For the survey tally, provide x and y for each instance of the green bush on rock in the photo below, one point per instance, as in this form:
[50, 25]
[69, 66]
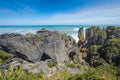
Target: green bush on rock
[95, 47]
[37, 38]
[101, 32]
[111, 49]
[113, 32]
[4, 56]
[43, 28]
[19, 74]
[29, 34]
[107, 72]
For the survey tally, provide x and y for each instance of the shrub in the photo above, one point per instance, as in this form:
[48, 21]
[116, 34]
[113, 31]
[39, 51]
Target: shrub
[19, 74]
[29, 34]
[27, 39]
[111, 49]
[108, 72]
[43, 28]
[113, 32]
[63, 36]
[4, 56]
[64, 75]
[99, 31]
[95, 47]
[37, 38]
[51, 64]
[70, 65]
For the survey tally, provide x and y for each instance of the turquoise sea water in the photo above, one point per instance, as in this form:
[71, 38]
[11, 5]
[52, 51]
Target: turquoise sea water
[69, 29]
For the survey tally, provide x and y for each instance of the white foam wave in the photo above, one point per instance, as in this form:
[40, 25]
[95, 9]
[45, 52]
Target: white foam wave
[24, 31]
[76, 29]
[75, 37]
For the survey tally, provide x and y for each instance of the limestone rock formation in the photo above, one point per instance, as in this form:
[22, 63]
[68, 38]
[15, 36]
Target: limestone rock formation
[102, 45]
[43, 51]
[95, 36]
[41, 46]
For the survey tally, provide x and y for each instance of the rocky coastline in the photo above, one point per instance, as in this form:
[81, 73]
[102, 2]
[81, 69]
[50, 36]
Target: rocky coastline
[50, 51]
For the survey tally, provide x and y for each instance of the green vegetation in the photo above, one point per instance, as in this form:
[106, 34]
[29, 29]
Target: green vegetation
[72, 65]
[52, 65]
[43, 28]
[27, 39]
[67, 44]
[4, 56]
[95, 47]
[111, 28]
[37, 38]
[99, 31]
[66, 38]
[64, 75]
[106, 72]
[19, 74]
[29, 34]
[111, 49]
[98, 54]
[113, 31]
[63, 36]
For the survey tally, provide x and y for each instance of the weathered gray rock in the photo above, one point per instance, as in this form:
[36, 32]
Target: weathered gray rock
[95, 36]
[70, 45]
[61, 67]
[36, 51]
[41, 46]
[113, 32]
[41, 67]
[17, 45]
[37, 67]
[75, 71]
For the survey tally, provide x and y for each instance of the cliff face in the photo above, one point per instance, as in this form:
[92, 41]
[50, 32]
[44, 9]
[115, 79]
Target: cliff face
[102, 45]
[95, 36]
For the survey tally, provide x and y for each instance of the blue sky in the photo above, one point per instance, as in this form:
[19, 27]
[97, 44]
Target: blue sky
[39, 12]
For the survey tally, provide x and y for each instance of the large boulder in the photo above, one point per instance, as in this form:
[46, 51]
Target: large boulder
[40, 46]
[17, 45]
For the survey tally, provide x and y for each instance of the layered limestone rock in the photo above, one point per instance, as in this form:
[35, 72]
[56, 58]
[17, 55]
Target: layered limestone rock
[102, 45]
[40, 52]
[95, 36]
[41, 46]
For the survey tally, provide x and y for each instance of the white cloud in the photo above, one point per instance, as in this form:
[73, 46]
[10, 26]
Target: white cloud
[97, 15]
[109, 15]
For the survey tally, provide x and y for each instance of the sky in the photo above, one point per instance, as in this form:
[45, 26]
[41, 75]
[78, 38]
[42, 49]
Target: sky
[55, 12]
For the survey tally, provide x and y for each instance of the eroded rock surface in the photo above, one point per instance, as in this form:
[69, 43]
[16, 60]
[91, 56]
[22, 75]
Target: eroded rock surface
[41, 46]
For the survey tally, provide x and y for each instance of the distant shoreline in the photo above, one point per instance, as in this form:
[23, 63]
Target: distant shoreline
[71, 30]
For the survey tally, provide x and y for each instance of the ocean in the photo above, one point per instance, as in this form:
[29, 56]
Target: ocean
[71, 30]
